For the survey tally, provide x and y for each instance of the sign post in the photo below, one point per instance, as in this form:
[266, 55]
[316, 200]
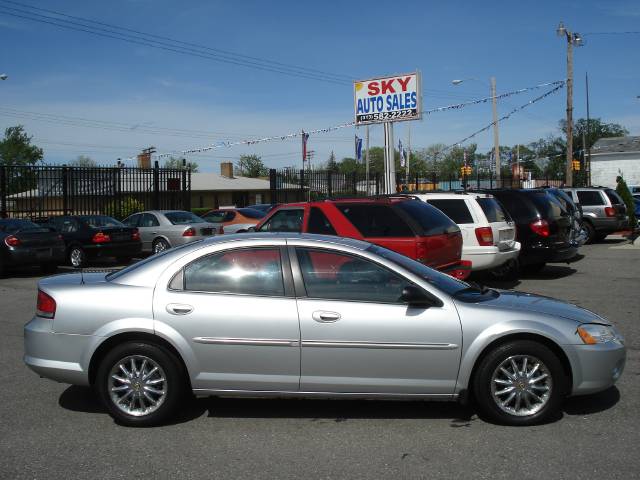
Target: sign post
[386, 100]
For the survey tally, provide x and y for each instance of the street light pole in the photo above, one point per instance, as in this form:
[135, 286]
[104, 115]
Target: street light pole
[572, 39]
[496, 138]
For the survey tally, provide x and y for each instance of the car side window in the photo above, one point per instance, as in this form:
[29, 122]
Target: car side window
[229, 216]
[319, 223]
[337, 276]
[132, 221]
[590, 198]
[149, 220]
[66, 225]
[456, 210]
[376, 220]
[289, 220]
[249, 271]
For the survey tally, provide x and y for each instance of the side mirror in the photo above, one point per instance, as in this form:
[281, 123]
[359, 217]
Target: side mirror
[416, 297]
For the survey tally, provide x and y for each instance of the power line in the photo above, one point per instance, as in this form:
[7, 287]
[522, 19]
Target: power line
[168, 46]
[612, 33]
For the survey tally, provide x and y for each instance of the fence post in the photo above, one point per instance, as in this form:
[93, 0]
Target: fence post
[116, 197]
[377, 183]
[156, 186]
[302, 181]
[3, 191]
[417, 183]
[65, 190]
[329, 183]
[354, 183]
[272, 185]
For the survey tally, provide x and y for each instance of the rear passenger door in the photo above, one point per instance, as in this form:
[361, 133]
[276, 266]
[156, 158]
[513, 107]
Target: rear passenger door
[148, 227]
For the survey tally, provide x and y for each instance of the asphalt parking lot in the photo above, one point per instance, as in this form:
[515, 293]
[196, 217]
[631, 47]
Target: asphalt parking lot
[50, 430]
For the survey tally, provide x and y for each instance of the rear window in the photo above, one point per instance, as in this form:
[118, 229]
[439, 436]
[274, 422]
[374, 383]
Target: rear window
[251, 213]
[97, 221]
[492, 210]
[319, 223]
[183, 218]
[376, 220]
[547, 205]
[590, 197]
[518, 206]
[13, 226]
[614, 198]
[430, 220]
[455, 209]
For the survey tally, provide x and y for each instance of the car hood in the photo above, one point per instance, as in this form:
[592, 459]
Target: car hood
[529, 302]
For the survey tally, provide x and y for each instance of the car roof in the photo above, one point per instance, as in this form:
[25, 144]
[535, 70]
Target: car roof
[451, 195]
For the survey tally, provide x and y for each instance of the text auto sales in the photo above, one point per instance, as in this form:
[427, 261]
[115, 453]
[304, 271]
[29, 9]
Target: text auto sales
[387, 99]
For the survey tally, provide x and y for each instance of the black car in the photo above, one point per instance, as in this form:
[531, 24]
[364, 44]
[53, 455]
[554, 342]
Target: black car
[575, 211]
[95, 236]
[544, 227]
[24, 243]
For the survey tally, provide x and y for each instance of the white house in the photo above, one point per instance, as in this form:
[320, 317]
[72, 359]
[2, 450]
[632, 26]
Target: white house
[611, 157]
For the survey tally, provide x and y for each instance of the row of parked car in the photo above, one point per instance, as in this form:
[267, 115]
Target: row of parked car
[503, 231]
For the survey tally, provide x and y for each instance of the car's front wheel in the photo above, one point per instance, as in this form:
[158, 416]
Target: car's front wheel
[160, 245]
[140, 384]
[520, 383]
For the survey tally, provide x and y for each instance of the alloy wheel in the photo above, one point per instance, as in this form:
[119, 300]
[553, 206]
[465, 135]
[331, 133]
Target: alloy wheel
[160, 246]
[521, 385]
[137, 385]
[76, 257]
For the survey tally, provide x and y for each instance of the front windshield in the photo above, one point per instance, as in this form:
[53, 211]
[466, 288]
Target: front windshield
[441, 281]
[183, 218]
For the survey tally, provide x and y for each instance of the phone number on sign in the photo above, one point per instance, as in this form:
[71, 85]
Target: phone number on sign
[367, 117]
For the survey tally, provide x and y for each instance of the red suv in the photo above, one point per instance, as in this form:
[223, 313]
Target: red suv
[405, 225]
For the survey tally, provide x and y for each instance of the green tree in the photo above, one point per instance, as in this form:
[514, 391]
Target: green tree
[332, 165]
[83, 161]
[623, 191]
[593, 130]
[251, 166]
[16, 148]
[176, 163]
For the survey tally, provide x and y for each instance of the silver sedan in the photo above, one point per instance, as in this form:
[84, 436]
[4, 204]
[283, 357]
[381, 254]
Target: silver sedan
[312, 316]
[164, 229]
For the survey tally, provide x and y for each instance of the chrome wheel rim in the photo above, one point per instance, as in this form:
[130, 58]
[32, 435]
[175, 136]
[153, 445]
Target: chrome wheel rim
[137, 385]
[76, 257]
[521, 385]
[160, 246]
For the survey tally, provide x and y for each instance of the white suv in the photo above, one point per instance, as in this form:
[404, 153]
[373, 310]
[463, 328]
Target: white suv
[488, 233]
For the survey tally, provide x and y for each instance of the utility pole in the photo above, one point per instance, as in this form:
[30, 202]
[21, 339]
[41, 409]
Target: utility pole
[496, 139]
[587, 166]
[408, 154]
[389, 159]
[572, 39]
[366, 157]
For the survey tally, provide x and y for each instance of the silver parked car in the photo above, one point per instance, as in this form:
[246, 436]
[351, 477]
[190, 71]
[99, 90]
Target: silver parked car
[163, 229]
[312, 316]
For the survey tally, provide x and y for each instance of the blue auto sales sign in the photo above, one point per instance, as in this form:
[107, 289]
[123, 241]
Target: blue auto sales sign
[388, 99]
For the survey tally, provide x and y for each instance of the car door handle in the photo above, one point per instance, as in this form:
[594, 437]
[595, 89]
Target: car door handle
[325, 317]
[179, 309]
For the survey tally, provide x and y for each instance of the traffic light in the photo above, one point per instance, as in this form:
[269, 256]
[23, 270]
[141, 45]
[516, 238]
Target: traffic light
[576, 165]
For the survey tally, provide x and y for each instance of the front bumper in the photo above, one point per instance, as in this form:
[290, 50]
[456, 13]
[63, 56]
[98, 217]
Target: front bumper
[55, 355]
[484, 258]
[596, 367]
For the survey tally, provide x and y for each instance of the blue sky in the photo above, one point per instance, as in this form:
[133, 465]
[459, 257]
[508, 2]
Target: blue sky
[61, 72]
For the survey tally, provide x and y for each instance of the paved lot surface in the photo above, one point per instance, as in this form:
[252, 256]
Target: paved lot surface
[49, 430]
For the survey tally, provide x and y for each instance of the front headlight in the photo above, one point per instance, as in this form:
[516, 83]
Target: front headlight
[594, 333]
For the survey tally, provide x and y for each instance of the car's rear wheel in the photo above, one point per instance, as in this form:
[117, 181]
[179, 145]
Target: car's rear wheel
[77, 257]
[160, 245]
[591, 232]
[520, 383]
[140, 384]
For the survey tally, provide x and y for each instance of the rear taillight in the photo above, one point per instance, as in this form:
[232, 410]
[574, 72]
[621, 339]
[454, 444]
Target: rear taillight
[540, 227]
[101, 238]
[484, 236]
[189, 232]
[135, 235]
[610, 211]
[12, 241]
[46, 307]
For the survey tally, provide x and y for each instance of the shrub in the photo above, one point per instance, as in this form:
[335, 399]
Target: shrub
[623, 191]
[123, 208]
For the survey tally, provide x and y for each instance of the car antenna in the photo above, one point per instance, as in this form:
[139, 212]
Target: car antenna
[81, 275]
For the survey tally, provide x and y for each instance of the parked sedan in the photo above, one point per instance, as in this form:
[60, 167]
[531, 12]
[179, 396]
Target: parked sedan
[163, 229]
[312, 316]
[23, 244]
[235, 220]
[88, 237]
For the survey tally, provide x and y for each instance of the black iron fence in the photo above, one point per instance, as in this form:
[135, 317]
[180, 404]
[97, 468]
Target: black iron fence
[290, 185]
[41, 191]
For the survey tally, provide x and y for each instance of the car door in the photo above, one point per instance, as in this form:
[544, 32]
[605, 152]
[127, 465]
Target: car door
[357, 337]
[236, 311]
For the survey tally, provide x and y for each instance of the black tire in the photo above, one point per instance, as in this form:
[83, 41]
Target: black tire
[174, 384]
[77, 257]
[601, 236]
[49, 268]
[3, 269]
[591, 233]
[483, 379]
[533, 268]
[159, 245]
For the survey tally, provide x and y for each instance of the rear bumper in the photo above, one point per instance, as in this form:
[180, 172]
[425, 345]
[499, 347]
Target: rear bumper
[609, 224]
[35, 256]
[125, 249]
[547, 254]
[483, 258]
[596, 367]
[55, 355]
